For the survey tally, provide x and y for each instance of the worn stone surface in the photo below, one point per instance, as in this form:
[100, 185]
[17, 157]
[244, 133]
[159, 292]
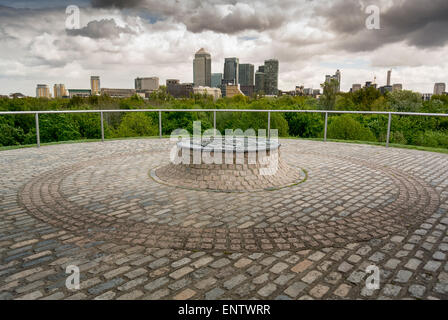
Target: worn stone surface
[94, 205]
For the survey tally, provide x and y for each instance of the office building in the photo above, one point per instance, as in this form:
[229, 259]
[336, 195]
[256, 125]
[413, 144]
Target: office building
[337, 77]
[59, 91]
[439, 89]
[118, 93]
[271, 68]
[385, 89]
[356, 87]
[179, 90]
[389, 76]
[202, 68]
[43, 91]
[247, 90]
[426, 96]
[231, 69]
[83, 93]
[216, 80]
[214, 92]
[259, 82]
[246, 75]
[95, 85]
[148, 84]
[397, 87]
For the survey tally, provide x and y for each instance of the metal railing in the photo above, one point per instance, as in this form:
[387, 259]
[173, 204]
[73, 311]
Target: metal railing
[326, 112]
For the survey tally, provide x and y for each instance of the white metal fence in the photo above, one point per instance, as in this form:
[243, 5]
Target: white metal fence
[326, 112]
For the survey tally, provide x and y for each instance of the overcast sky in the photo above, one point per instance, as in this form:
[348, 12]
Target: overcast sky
[121, 40]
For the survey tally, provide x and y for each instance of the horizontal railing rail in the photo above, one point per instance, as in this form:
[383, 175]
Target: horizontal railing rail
[326, 112]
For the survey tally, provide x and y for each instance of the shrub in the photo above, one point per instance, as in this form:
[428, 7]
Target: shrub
[346, 128]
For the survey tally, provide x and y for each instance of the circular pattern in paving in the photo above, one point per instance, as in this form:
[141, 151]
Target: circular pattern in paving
[344, 199]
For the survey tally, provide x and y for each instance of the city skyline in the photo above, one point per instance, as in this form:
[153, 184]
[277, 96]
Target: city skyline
[120, 45]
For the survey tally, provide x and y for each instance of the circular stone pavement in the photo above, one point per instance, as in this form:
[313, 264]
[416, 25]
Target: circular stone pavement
[344, 199]
[96, 205]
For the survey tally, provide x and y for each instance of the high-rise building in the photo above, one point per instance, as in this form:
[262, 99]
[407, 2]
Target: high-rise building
[397, 87]
[59, 91]
[439, 89]
[95, 87]
[202, 68]
[356, 87]
[216, 80]
[179, 90]
[337, 77]
[259, 82]
[389, 76]
[271, 68]
[147, 84]
[43, 91]
[246, 74]
[231, 70]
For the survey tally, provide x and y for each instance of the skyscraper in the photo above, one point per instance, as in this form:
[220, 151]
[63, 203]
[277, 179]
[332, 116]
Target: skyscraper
[216, 80]
[95, 85]
[231, 69]
[271, 68]
[439, 89]
[259, 82]
[246, 74]
[337, 77]
[389, 75]
[59, 91]
[43, 91]
[202, 69]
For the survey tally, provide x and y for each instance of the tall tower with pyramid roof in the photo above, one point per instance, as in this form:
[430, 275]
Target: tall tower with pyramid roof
[202, 69]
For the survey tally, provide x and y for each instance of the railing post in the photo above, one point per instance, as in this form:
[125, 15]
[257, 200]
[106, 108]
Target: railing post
[102, 127]
[326, 126]
[214, 120]
[269, 125]
[36, 116]
[388, 130]
[160, 124]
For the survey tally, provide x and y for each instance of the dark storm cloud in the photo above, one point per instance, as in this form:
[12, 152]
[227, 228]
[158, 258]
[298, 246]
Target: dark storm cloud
[116, 3]
[419, 23]
[220, 16]
[97, 29]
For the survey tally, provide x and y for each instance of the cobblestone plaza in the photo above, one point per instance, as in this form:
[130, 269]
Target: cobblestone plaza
[96, 206]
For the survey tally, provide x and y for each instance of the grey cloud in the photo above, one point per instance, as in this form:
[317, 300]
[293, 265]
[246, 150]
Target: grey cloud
[116, 3]
[419, 23]
[97, 29]
[199, 16]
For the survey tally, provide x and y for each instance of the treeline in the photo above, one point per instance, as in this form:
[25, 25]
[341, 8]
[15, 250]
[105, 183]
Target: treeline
[411, 130]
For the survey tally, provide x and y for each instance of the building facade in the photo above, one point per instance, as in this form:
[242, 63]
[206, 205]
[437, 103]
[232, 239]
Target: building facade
[43, 91]
[439, 89]
[397, 87]
[231, 69]
[179, 90]
[59, 91]
[356, 87]
[216, 80]
[83, 93]
[146, 84]
[232, 90]
[337, 76]
[271, 68]
[259, 82]
[95, 86]
[214, 92]
[202, 69]
[246, 74]
[118, 93]
[247, 90]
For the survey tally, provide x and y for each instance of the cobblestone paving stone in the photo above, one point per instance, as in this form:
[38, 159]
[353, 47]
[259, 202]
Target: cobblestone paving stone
[94, 205]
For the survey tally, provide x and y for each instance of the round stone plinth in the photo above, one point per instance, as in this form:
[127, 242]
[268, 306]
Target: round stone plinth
[239, 164]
